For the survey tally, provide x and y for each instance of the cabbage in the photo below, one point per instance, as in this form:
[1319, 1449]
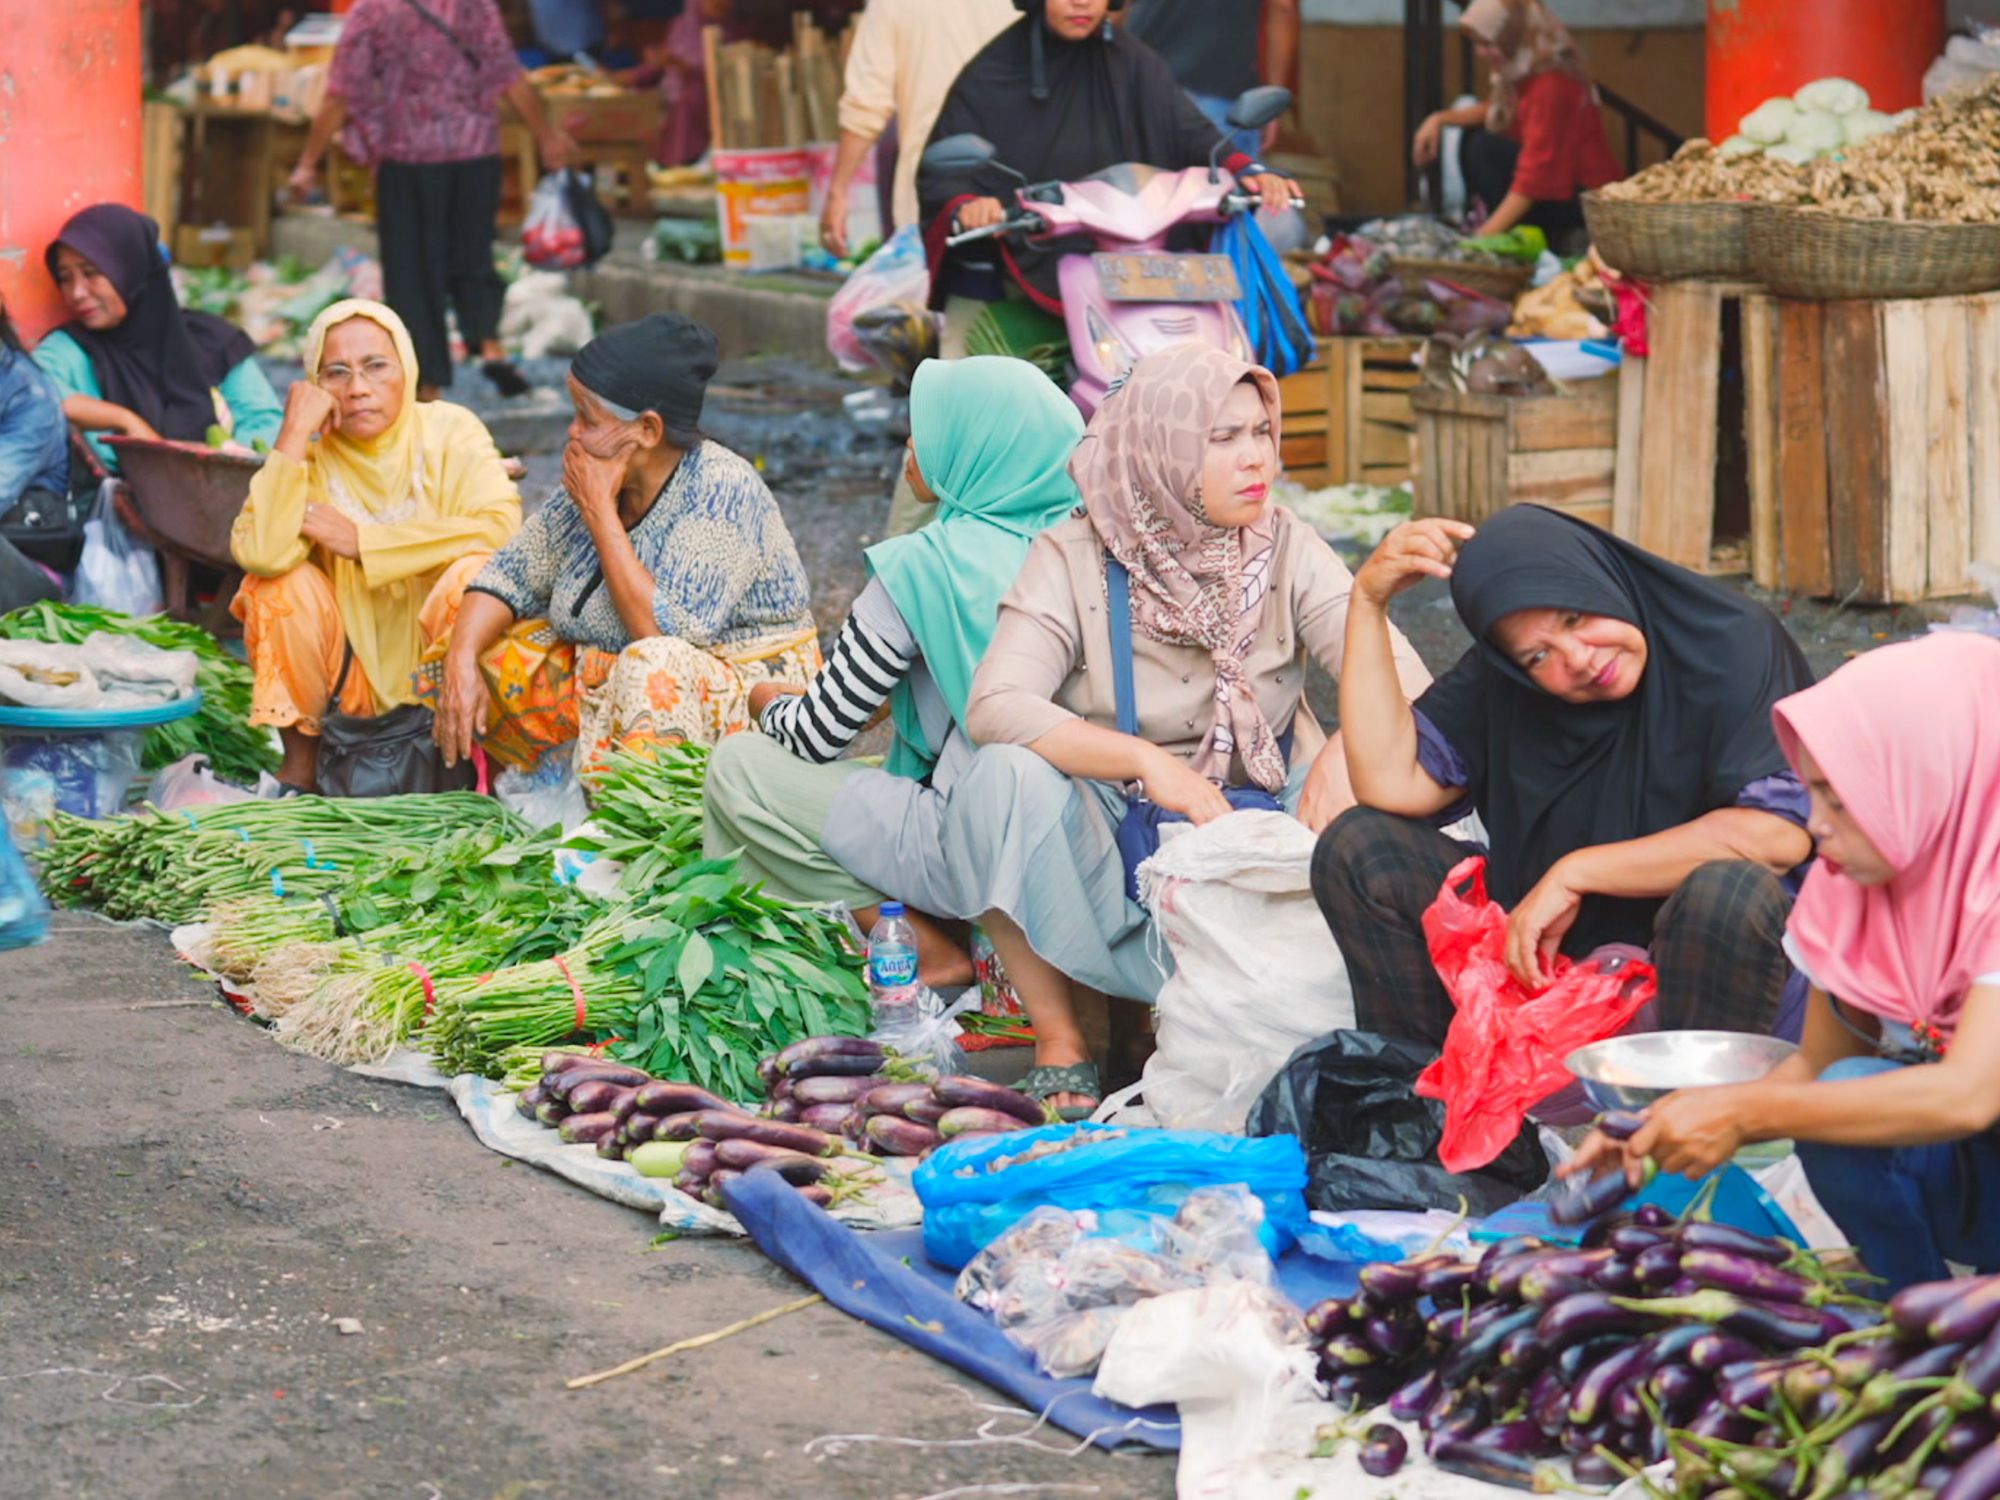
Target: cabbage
[1833, 96]
[1785, 151]
[1738, 145]
[1766, 123]
[1863, 123]
[1815, 131]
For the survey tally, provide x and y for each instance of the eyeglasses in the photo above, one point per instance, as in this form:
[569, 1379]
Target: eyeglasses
[340, 377]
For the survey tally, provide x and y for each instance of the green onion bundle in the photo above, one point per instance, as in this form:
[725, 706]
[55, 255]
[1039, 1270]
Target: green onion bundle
[237, 750]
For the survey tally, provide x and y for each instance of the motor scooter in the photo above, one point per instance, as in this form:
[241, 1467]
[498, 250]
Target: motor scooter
[1128, 294]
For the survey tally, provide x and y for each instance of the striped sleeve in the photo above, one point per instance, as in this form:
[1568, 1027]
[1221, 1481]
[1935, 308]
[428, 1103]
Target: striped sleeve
[860, 672]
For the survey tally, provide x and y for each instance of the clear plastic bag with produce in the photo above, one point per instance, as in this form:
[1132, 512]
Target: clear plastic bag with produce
[117, 570]
[897, 274]
[566, 226]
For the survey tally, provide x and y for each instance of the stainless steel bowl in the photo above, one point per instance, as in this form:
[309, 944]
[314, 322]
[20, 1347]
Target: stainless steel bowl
[1630, 1072]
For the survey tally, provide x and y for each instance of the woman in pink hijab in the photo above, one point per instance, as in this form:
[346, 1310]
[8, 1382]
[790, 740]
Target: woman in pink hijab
[1894, 1093]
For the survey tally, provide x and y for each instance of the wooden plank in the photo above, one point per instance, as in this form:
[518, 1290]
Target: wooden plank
[1302, 450]
[1390, 475]
[1571, 477]
[1760, 431]
[1983, 406]
[1947, 499]
[711, 61]
[1586, 419]
[1909, 370]
[1343, 404]
[1595, 515]
[1396, 378]
[1424, 487]
[1677, 477]
[1857, 461]
[1306, 421]
[1304, 392]
[1631, 441]
[1387, 406]
[1385, 444]
[1805, 558]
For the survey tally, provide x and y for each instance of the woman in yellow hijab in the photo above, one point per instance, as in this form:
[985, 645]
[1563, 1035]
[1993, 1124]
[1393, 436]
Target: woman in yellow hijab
[361, 531]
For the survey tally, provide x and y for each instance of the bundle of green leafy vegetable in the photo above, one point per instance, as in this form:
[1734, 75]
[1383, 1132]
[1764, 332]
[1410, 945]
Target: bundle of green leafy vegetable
[236, 749]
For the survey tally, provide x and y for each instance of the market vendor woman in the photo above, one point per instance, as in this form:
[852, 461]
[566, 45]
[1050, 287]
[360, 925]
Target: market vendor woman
[130, 360]
[1611, 723]
[1538, 143]
[361, 531]
[1894, 1094]
[654, 590]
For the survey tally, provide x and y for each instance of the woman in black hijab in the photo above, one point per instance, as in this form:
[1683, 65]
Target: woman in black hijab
[1061, 93]
[130, 360]
[1611, 724]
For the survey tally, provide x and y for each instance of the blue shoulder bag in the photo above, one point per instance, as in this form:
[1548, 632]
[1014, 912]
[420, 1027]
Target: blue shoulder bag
[1139, 830]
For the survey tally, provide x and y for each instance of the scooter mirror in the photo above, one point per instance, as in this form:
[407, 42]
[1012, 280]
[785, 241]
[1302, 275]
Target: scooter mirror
[959, 153]
[1253, 109]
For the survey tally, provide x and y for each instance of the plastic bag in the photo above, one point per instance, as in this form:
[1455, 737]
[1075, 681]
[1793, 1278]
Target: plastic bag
[117, 570]
[1059, 1286]
[1370, 1142]
[1505, 1049]
[189, 782]
[1273, 319]
[24, 916]
[896, 274]
[91, 772]
[976, 1188]
[566, 227]
[547, 796]
[1233, 1009]
[927, 1031]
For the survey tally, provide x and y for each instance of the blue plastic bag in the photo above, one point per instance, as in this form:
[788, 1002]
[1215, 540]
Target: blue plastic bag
[1272, 314]
[24, 917]
[967, 1206]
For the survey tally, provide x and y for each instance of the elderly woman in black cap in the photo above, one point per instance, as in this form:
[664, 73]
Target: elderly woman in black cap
[652, 592]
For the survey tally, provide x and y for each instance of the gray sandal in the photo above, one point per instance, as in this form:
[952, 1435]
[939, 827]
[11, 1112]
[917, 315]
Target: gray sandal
[1073, 1078]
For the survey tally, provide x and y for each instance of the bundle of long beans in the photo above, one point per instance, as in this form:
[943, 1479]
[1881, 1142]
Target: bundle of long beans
[173, 867]
[221, 729]
[646, 813]
[247, 931]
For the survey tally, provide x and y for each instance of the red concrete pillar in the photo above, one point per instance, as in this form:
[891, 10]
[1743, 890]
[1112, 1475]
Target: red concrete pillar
[70, 133]
[1758, 48]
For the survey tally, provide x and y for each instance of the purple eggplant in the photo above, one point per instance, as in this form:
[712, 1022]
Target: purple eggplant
[625, 1104]
[1411, 1401]
[835, 1067]
[1730, 1272]
[567, 1082]
[712, 1194]
[798, 1059]
[1392, 1283]
[557, 1061]
[780, 1091]
[962, 1091]
[827, 1089]
[1395, 1338]
[1589, 1314]
[1978, 1478]
[1383, 1450]
[827, 1117]
[588, 1129]
[1325, 1317]
[730, 1125]
[890, 1098]
[1588, 1402]
[1753, 1391]
[1457, 1412]
[699, 1158]
[1475, 1354]
[611, 1147]
[1847, 1456]
[1513, 1437]
[1346, 1351]
[1579, 1199]
[1774, 1325]
[799, 1171]
[1633, 1240]
[969, 1119]
[660, 1098]
[552, 1112]
[1971, 1317]
[1585, 1439]
[1522, 1350]
[768, 1074]
[694, 1184]
[1594, 1469]
[1912, 1309]
[639, 1127]
[1659, 1266]
[1678, 1389]
[1977, 1383]
[1448, 1282]
[1621, 1124]
[1580, 1358]
[742, 1155]
[899, 1137]
[1503, 1278]
[1447, 1325]
[927, 1110]
[788, 1111]
[1494, 1466]
[681, 1127]
[1714, 1351]
[1698, 1235]
[1652, 1216]
[1619, 1277]
[594, 1095]
[1966, 1437]
[1500, 1250]
[529, 1100]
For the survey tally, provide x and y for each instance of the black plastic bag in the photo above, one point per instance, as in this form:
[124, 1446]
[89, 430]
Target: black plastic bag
[580, 193]
[1370, 1142]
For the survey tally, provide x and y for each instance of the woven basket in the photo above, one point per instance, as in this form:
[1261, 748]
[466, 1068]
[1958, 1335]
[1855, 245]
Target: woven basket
[1668, 241]
[1808, 252]
[1502, 282]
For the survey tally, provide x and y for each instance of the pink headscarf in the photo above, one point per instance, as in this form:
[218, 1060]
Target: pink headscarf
[1908, 736]
[1193, 583]
[1534, 41]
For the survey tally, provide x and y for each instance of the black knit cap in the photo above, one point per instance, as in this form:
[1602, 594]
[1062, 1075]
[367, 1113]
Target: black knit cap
[661, 364]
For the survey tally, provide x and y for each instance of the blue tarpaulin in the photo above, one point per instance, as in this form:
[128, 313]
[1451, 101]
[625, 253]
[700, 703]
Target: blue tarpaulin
[885, 1279]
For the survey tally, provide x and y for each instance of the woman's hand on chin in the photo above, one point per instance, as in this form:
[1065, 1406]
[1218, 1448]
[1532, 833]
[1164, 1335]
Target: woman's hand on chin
[593, 481]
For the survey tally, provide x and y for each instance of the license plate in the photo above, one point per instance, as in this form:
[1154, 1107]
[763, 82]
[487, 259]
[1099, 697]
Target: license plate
[1167, 278]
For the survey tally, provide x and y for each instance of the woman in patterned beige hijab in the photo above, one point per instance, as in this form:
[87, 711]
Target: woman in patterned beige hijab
[1229, 594]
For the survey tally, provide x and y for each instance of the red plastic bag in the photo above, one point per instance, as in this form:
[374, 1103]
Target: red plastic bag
[1505, 1050]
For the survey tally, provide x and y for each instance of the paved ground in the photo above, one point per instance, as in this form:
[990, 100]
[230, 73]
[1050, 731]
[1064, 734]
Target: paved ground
[186, 1209]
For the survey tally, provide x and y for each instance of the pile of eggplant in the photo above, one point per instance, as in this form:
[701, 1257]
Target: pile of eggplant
[874, 1102]
[1530, 1353]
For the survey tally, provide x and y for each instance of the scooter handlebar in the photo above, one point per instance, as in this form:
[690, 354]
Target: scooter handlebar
[1027, 223]
[1241, 203]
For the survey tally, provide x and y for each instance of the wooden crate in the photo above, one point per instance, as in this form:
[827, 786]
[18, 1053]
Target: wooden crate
[616, 136]
[1347, 415]
[161, 124]
[1874, 434]
[1480, 453]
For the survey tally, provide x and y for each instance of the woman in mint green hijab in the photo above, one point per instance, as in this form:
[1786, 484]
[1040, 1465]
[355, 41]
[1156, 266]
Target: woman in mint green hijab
[990, 444]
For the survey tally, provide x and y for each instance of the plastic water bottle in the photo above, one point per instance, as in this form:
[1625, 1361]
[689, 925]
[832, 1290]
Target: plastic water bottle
[892, 968]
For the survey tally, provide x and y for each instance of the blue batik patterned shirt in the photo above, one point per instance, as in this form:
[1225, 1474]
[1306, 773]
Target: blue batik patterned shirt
[724, 567]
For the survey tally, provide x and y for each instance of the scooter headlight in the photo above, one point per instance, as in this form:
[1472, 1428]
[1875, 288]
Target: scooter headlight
[1113, 353]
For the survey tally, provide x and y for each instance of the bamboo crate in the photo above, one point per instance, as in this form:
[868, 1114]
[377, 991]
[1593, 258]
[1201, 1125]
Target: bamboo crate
[764, 100]
[1478, 454]
[1874, 437]
[161, 124]
[1348, 418]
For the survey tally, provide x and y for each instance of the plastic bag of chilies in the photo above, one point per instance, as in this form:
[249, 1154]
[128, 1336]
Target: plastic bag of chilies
[1505, 1050]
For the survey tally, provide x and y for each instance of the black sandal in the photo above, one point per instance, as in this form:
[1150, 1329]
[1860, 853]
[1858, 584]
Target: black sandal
[508, 380]
[1076, 1078]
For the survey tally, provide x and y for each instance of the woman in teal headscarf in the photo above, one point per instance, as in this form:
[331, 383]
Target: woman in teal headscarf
[990, 444]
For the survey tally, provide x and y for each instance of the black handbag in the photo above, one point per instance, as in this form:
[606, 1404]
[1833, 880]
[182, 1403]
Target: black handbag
[1138, 833]
[382, 755]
